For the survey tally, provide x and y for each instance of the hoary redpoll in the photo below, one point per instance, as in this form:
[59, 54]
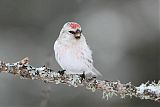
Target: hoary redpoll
[72, 52]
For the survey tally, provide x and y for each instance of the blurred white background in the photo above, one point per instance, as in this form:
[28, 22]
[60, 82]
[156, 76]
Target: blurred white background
[123, 34]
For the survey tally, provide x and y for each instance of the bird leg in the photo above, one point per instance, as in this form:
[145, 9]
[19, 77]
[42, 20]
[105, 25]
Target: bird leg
[83, 76]
[61, 72]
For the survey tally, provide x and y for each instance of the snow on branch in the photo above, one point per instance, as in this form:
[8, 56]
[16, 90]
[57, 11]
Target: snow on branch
[22, 68]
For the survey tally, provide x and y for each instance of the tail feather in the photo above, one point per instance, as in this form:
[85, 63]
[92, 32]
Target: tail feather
[97, 73]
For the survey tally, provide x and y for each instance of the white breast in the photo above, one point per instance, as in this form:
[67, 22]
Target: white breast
[72, 58]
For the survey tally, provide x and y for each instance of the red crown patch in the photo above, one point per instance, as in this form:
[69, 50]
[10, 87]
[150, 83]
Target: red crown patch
[74, 25]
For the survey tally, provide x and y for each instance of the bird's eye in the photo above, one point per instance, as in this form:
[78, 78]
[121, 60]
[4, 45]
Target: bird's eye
[72, 32]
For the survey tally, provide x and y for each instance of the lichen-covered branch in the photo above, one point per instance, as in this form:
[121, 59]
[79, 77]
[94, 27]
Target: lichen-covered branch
[22, 68]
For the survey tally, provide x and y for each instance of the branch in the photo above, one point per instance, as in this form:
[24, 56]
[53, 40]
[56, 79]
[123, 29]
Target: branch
[22, 68]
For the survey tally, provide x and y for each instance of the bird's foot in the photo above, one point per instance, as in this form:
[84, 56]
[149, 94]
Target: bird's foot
[91, 78]
[61, 72]
[82, 76]
[94, 77]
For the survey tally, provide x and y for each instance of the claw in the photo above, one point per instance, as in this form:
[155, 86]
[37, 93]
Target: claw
[82, 76]
[94, 77]
[61, 72]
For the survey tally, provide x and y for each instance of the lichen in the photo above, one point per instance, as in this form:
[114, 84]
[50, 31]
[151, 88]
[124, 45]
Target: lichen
[149, 90]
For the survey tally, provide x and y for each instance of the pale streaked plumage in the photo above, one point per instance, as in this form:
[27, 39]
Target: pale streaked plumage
[72, 52]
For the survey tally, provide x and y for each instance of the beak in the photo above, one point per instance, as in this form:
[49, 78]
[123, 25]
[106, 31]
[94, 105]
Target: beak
[77, 34]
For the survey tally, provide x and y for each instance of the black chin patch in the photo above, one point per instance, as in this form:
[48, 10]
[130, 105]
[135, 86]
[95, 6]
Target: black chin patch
[77, 37]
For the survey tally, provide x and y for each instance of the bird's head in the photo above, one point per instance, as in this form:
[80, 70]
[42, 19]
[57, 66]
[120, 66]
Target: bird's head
[71, 30]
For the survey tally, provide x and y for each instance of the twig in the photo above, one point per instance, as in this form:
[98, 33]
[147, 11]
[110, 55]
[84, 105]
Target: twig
[22, 68]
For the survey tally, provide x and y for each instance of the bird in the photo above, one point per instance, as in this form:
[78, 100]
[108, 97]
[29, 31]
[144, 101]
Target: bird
[72, 51]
